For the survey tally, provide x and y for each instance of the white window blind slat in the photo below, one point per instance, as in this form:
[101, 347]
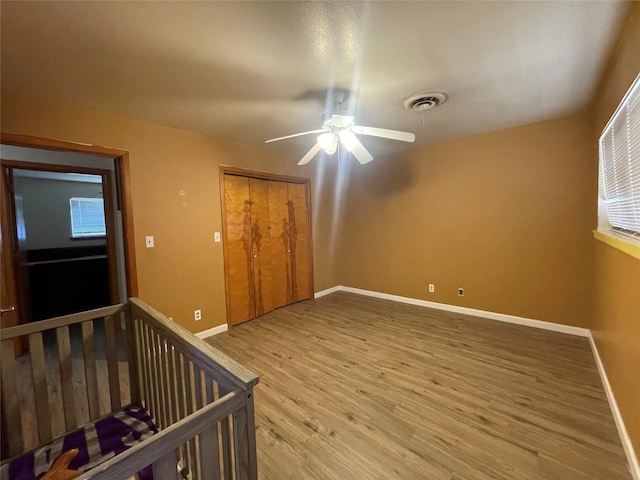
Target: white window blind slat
[87, 217]
[619, 189]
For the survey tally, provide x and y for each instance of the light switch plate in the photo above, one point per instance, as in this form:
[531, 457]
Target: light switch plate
[149, 241]
[216, 237]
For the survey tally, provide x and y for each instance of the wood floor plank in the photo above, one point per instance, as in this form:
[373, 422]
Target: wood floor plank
[357, 387]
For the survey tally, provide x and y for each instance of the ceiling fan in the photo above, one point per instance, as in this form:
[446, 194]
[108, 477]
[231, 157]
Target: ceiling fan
[339, 127]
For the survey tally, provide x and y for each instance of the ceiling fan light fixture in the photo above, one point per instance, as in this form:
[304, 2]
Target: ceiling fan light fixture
[348, 139]
[329, 142]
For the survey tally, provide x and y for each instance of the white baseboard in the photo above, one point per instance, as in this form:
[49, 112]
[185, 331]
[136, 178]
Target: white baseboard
[502, 317]
[213, 331]
[632, 459]
[322, 293]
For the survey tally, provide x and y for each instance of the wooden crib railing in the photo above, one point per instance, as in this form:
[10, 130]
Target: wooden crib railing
[200, 399]
[41, 397]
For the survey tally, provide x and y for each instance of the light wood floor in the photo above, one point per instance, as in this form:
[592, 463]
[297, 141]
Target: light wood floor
[360, 388]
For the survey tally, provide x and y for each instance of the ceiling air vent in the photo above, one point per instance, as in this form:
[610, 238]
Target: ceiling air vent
[420, 102]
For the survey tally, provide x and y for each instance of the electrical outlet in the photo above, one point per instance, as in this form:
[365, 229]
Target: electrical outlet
[149, 241]
[197, 314]
[461, 292]
[432, 288]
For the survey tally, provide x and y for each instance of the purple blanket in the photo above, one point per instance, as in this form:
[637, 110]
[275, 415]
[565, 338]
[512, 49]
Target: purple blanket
[97, 443]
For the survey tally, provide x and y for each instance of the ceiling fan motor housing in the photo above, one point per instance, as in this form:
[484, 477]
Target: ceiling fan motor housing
[339, 120]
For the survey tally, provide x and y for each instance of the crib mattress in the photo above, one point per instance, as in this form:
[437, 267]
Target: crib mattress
[97, 442]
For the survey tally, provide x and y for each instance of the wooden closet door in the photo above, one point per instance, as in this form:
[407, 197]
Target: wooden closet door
[299, 241]
[240, 286]
[261, 245]
[280, 248]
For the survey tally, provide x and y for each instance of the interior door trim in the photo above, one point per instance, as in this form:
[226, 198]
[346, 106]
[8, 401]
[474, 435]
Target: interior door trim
[123, 188]
[114, 280]
[242, 172]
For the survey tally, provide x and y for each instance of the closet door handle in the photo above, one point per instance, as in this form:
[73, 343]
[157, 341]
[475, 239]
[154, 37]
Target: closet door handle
[255, 256]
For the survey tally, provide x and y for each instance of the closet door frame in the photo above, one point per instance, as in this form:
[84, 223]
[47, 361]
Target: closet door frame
[242, 172]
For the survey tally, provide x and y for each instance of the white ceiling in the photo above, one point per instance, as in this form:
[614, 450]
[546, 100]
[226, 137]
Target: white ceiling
[249, 71]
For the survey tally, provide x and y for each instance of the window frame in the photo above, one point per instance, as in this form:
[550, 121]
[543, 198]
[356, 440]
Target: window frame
[627, 241]
[71, 219]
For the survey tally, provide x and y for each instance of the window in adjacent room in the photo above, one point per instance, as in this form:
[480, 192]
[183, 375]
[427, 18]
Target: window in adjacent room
[619, 174]
[87, 217]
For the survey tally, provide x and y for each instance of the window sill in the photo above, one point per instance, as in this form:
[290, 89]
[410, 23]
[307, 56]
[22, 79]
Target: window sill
[96, 237]
[618, 243]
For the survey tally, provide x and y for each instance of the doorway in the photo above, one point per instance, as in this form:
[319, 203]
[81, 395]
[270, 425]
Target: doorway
[64, 228]
[93, 241]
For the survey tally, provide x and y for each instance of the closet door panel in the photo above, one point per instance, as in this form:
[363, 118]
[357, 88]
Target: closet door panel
[240, 287]
[299, 241]
[279, 233]
[261, 245]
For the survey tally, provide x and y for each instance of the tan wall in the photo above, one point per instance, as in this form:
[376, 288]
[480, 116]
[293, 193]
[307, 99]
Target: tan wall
[176, 199]
[506, 215]
[616, 327]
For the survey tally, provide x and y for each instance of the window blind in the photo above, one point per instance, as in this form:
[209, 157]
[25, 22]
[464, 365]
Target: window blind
[87, 217]
[619, 185]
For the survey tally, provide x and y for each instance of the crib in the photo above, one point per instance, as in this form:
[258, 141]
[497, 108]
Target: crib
[188, 406]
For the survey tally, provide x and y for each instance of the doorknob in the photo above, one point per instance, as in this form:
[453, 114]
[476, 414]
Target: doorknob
[12, 308]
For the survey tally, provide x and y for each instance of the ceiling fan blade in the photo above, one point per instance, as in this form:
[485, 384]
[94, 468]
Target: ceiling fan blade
[361, 153]
[310, 154]
[295, 135]
[384, 133]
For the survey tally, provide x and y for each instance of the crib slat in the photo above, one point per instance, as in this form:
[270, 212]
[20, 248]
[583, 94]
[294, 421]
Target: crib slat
[155, 369]
[40, 390]
[181, 408]
[209, 454]
[165, 468]
[132, 360]
[141, 330]
[140, 357]
[173, 396]
[171, 368]
[153, 359]
[157, 358]
[208, 389]
[251, 451]
[197, 387]
[112, 362]
[197, 376]
[10, 400]
[66, 377]
[241, 445]
[89, 349]
[189, 387]
[188, 383]
[162, 362]
[153, 383]
[209, 443]
[225, 439]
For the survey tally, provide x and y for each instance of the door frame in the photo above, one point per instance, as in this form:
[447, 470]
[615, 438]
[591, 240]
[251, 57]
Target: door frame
[244, 172]
[8, 166]
[123, 188]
